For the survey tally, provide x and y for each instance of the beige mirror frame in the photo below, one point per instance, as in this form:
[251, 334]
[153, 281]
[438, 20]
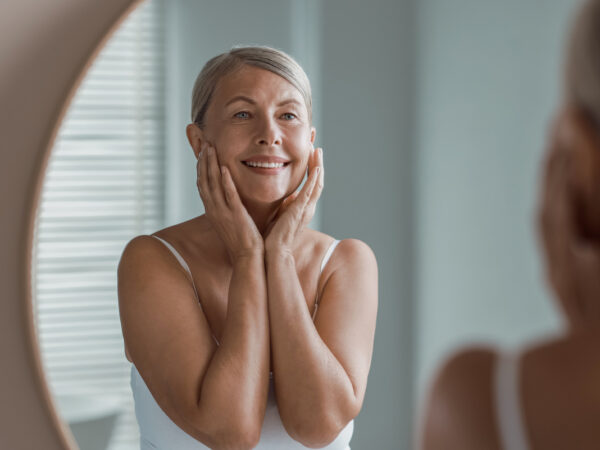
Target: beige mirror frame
[46, 48]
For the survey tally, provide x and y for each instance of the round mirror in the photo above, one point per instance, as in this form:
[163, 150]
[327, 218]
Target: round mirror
[103, 185]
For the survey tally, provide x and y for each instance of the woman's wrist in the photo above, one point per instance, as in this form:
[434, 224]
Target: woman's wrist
[278, 253]
[249, 254]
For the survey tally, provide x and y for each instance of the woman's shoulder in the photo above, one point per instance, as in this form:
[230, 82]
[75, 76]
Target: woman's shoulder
[463, 372]
[459, 411]
[145, 248]
[186, 230]
[348, 249]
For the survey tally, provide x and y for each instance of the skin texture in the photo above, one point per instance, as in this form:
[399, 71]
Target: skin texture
[558, 379]
[256, 267]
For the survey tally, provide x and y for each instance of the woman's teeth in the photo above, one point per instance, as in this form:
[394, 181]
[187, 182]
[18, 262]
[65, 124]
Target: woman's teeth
[263, 164]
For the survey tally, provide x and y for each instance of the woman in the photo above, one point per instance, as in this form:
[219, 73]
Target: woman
[548, 396]
[246, 328]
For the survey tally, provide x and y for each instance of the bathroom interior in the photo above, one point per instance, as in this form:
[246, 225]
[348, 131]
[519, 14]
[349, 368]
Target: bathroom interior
[432, 116]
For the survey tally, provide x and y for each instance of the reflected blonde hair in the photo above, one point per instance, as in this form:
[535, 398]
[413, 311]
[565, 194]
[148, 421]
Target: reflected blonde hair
[583, 61]
[267, 58]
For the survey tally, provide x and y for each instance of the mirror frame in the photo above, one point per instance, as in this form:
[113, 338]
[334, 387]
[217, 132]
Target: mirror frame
[46, 49]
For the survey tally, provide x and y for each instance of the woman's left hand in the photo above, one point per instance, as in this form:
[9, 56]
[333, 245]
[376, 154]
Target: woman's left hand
[296, 210]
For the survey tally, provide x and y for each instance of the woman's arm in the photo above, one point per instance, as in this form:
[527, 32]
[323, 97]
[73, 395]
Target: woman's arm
[215, 393]
[321, 368]
[235, 387]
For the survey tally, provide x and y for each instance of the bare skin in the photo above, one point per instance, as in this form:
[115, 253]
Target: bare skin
[256, 267]
[558, 380]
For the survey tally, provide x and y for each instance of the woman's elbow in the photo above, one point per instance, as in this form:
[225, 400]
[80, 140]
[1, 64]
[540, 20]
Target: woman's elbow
[318, 430]
[235, 439]
[231, 434]
[232, 439]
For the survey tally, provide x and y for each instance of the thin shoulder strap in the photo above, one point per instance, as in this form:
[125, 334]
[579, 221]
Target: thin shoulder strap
[179, 258]
[328, 253]
[187, 269]
[323, 264]
[508, 403]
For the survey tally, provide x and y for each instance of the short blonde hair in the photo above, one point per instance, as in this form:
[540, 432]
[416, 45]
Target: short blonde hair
[267, 58]
[583, 61]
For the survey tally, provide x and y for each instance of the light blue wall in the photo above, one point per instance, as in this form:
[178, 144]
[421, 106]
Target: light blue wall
[367, 90]
[488, 82]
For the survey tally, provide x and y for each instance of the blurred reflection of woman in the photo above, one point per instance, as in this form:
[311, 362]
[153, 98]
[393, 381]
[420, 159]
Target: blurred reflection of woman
[548, 396]
[246, 328]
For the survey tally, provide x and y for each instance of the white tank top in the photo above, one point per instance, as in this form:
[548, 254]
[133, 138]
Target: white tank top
[158, 431]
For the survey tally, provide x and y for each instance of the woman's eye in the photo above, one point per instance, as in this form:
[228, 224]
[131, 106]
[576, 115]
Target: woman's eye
[242, 115]
[289, 116]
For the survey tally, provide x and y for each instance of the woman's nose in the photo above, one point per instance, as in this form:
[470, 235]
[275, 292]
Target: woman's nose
[268, 133]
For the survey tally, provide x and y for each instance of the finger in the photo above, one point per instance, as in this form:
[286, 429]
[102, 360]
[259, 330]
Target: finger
[202, 180]
[322, 166]
[308, 188]
[314, 160]
[311, 162]
[284, 206]
[231, 194]
[299, 202]
[320, 177]
[310, 207]
[214, 177]
[289, 200]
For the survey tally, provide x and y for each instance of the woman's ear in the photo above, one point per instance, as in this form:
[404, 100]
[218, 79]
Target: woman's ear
[195, 137]
[313, 133]
[581, 140]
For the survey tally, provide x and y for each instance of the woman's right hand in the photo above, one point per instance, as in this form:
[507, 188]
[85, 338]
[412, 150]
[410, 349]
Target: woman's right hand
[224, 208]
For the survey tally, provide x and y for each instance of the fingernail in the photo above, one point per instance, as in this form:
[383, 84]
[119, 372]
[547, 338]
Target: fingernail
[318, 170]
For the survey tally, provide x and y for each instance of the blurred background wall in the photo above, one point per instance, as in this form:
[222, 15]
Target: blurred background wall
[488, 82]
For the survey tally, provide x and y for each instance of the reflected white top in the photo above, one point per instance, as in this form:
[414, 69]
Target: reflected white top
[158, 431]
[513, 435]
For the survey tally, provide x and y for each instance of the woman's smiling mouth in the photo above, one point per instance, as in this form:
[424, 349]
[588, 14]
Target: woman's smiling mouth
[266, 164]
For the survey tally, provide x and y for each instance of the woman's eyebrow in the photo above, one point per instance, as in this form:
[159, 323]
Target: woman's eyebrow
[238, 98]
[289, 100]
[243, 98]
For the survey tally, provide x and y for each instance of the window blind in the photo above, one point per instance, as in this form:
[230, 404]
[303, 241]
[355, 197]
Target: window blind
[104, 185]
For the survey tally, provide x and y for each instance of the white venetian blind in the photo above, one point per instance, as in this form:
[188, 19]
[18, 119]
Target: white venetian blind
[104, 185]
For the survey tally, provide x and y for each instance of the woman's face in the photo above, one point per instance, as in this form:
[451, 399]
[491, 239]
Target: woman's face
[257, 119]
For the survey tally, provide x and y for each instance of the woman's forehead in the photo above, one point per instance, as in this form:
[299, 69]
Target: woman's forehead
[256, 84]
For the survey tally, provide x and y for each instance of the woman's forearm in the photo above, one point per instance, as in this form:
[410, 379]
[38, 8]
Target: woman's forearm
[235, 385]
[314, 393]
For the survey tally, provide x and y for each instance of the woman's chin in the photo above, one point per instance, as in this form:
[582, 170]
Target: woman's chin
[267, 199]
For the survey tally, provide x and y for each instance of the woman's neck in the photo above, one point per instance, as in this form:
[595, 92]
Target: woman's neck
[262, 214]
